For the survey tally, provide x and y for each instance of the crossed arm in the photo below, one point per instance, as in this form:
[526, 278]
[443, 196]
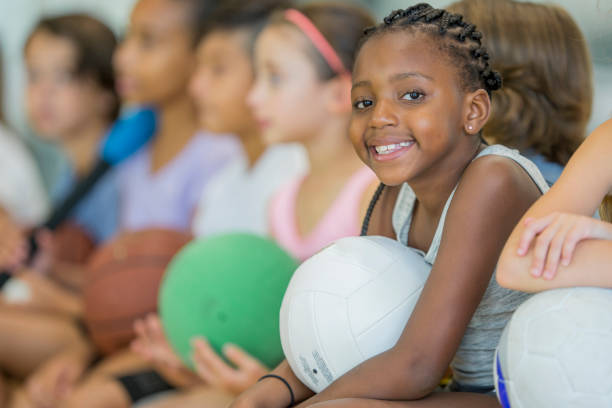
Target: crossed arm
[557, 243]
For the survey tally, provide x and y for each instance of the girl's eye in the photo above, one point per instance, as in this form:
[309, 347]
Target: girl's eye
[362, 104]
[146, 41]
[413, 95]
[63, 77]
[274, 78]
[218, 70]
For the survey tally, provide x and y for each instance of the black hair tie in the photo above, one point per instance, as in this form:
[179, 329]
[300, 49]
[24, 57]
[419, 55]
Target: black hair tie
[278, 377]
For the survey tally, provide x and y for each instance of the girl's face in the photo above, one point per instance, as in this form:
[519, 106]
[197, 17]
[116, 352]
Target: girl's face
[288, 97]
[221, 82]
[58, 102]
[155, 61]
[407, 106]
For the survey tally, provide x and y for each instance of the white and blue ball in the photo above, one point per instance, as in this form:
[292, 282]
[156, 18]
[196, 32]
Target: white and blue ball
[556, 351]
[348, 303]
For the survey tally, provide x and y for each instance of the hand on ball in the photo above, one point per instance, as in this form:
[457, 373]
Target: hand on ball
[216, 372]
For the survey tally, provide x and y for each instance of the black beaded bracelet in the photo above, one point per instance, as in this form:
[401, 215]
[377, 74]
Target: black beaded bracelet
[284, 382]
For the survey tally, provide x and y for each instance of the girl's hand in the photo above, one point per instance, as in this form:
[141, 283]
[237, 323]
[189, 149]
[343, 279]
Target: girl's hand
[44, 259]
[151, 342]
[15, 247]
[13, 244]
[56, 378]
[555, 237]
[272, 393]
[259, 396]
[152, 345]
[216, 372]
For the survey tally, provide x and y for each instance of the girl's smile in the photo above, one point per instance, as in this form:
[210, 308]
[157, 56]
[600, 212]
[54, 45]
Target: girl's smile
[385, 150]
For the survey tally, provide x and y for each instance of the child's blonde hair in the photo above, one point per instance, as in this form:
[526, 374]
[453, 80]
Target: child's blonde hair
[542, 55]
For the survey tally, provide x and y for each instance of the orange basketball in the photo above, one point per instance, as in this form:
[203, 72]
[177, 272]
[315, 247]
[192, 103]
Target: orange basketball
[122, 281]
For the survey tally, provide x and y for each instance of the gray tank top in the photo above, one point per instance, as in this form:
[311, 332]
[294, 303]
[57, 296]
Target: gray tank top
[473, 362]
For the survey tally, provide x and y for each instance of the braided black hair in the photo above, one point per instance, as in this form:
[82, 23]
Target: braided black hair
[463, 44]
[463, 41]
[366, 220]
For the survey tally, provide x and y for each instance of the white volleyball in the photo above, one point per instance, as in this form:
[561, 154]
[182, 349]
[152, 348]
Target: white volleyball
[556, 351]
[348, 303]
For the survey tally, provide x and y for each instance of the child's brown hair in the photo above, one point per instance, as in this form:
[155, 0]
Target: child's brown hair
[94, 43]
[540, 52]
[342, 26]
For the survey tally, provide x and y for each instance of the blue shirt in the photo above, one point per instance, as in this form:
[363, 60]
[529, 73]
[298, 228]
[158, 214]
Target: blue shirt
[98, 211]
[550, 170]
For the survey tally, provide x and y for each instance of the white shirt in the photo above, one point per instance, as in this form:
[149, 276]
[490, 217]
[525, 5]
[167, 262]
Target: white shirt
[236, 199]
[22, 193]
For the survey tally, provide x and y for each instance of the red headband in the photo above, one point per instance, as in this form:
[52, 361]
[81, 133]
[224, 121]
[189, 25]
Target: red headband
[317, 39]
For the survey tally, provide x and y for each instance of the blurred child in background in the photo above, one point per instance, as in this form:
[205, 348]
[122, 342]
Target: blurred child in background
[305, 99]
[303, 60]
[160, 185]
[22, 196]
[237, 197]
[70, 99]
[545, 103]
[23, 199]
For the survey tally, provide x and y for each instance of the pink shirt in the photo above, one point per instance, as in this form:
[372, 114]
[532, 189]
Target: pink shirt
[168, 198]
[341, 220]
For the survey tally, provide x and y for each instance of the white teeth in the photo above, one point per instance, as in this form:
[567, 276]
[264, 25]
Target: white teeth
[391, 147]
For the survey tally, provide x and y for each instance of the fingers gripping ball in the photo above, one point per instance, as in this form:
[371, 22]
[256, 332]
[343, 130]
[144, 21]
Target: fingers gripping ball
[122, 281]
[348, 303]
[227, 288]
[556, 351]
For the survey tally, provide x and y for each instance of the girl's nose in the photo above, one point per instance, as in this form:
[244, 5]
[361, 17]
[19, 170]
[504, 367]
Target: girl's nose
[383, 115]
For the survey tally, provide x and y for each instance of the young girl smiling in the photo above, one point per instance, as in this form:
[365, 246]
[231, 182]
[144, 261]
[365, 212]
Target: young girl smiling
[421, 95]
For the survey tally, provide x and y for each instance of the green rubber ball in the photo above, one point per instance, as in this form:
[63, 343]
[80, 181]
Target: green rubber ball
[229, 289]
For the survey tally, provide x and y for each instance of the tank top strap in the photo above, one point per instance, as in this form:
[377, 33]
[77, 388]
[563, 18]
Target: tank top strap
[340, 220]
[498, 150]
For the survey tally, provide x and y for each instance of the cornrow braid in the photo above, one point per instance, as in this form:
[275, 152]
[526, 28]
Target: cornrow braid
[464, 41]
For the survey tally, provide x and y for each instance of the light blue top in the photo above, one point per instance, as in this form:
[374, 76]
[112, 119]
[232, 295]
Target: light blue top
[98, 212]
[550, 170]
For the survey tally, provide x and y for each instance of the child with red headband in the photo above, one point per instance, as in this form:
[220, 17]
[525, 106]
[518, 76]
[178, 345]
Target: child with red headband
[303, 60]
